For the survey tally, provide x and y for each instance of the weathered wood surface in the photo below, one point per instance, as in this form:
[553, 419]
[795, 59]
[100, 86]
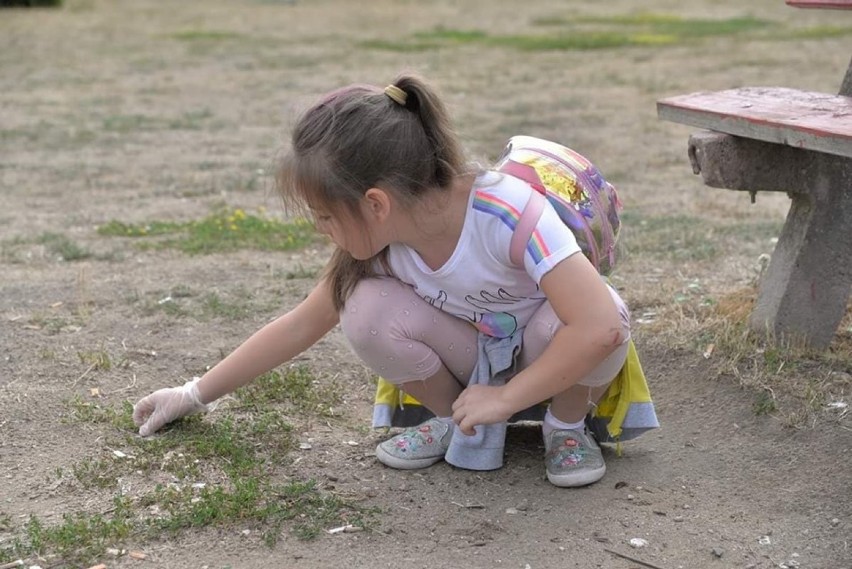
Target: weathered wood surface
[825, 4]
[802, 119]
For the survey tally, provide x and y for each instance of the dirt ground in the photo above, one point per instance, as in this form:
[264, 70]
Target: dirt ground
[153, 110]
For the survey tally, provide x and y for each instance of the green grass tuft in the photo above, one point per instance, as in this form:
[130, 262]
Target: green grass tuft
[204, 35]
[63, 247]
[79, 536]
[643, 29]
[298, 386]
[223, 466]
[223, 231]
[816, 32]
[764, 404]
[680, 27]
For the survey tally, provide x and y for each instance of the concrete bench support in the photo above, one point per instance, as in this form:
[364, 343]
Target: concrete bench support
[805, 290]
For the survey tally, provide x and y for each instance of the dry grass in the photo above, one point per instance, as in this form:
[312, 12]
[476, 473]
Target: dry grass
[786, 378]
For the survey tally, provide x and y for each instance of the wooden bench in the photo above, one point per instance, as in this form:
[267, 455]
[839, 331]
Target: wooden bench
[799, 142]
[827, 4]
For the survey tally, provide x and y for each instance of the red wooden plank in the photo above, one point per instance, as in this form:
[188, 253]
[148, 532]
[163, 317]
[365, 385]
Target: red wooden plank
[829, 4]
[804, 119]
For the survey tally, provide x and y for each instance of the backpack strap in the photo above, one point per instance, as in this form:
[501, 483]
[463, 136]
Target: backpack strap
[525, 226]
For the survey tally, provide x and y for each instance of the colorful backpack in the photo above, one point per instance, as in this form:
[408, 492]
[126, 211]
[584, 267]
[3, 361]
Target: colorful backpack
[575, 188]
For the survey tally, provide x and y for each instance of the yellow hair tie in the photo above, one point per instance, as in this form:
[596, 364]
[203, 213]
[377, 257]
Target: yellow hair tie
[396, 94]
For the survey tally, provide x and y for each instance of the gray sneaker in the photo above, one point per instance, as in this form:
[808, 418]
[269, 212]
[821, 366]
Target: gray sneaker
[573, 458]
[417, 447]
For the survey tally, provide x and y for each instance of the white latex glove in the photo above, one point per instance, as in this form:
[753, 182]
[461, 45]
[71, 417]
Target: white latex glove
[166, 405]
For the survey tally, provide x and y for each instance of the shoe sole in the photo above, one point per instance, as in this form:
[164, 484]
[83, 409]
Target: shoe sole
[404, 463]
[577, 479]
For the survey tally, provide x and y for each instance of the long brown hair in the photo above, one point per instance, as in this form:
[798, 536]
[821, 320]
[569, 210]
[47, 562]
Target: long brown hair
[357, 138]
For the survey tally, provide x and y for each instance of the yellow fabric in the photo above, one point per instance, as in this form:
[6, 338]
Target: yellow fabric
[629, 386]
[389, 394]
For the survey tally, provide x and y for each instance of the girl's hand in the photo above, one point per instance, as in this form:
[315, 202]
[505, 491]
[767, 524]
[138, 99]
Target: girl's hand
[481, 405]
[165, 405]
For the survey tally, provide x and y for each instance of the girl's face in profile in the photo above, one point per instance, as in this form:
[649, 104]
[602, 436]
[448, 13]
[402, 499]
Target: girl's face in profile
[350, 234]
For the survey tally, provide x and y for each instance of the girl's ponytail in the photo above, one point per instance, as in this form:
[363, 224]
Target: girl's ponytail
[424, 101]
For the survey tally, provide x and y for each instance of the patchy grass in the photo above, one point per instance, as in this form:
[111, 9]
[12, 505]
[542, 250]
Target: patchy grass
[590, 33]
[205, 35]
[53, 323]
[55, 246]
[214, 306]
[98, 360]
[181, 302]
[819, 32]
[298, 387]
[123, 124]
[79, 536]
[223, 468]
[668, 24]
[644, 29]
[63, 247]
[443, 38]
[690, 238]
[222, 231]
[301, 272]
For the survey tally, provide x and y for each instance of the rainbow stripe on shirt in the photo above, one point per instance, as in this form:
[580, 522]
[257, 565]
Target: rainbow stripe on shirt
[509, 215]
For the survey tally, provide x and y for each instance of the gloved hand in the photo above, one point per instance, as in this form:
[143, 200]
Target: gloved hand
[165, 405]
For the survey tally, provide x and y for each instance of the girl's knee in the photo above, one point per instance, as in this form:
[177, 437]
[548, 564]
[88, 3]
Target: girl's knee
[606, 371]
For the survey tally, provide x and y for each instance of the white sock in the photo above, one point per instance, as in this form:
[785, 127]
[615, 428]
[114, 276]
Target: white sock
[551, 423]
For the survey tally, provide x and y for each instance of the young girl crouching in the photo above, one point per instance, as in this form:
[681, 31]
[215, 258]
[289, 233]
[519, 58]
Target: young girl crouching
[425, 291]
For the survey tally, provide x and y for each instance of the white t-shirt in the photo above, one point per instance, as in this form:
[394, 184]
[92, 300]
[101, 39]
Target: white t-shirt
[479, 283]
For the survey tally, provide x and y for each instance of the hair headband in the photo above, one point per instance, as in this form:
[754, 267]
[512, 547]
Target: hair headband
[396, 94]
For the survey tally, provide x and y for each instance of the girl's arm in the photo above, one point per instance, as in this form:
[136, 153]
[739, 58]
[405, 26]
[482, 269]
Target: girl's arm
[592, 331]
[279, 341]
[272, 345]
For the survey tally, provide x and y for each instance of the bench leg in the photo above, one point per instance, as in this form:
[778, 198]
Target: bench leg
[806, 287]
[846, 86]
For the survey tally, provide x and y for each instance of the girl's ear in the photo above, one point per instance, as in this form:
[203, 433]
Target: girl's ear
[378, 203]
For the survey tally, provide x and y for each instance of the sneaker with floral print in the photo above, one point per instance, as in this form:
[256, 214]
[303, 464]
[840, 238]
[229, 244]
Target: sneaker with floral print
[573, 458]
[417, 447]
